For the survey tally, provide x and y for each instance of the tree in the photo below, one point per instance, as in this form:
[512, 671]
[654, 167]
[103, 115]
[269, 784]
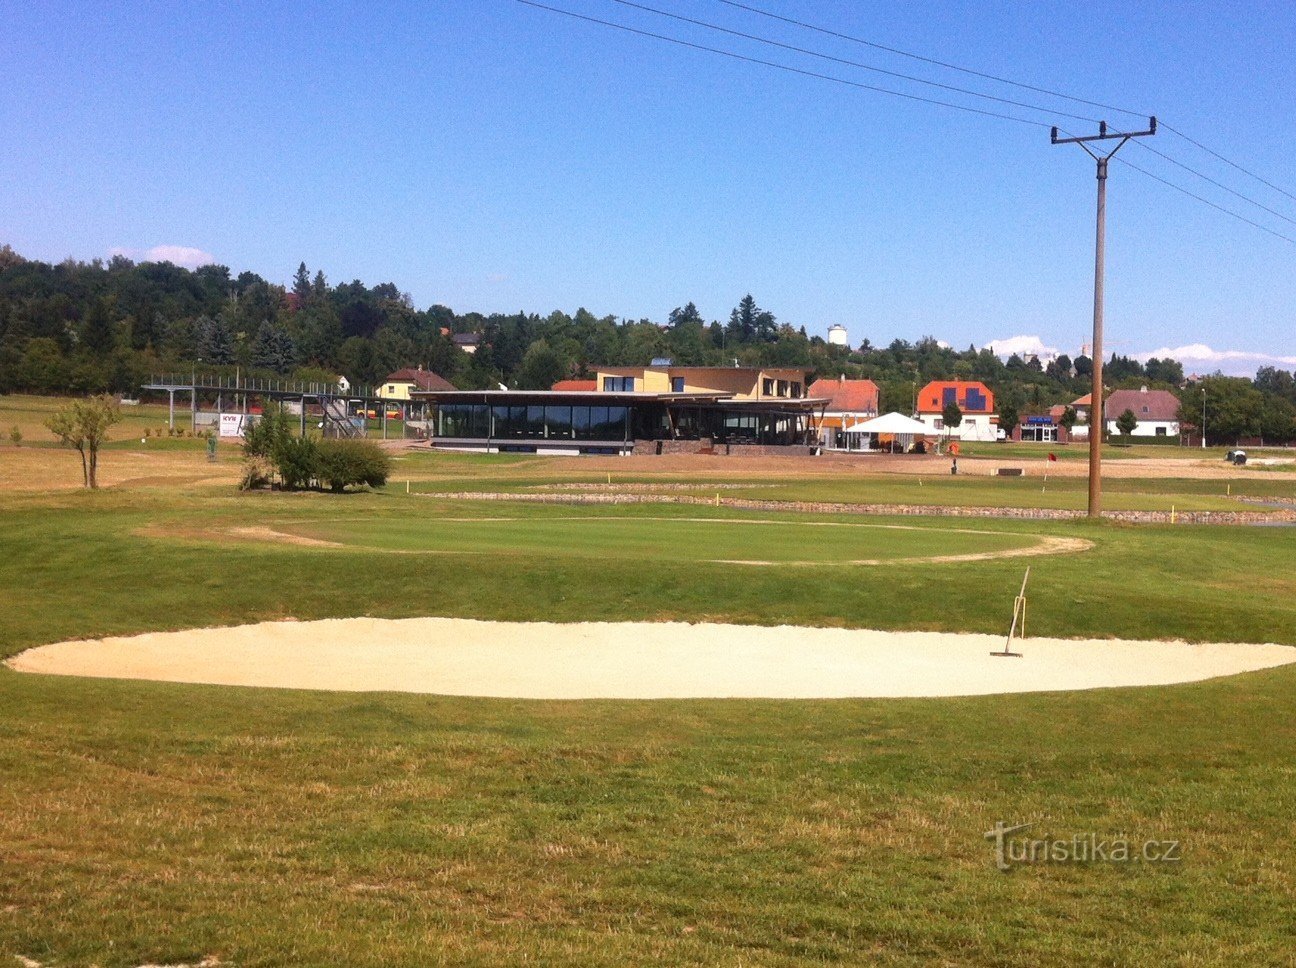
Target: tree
[273, 349]
[542, 367]
[98, 334]
[84, 425]
[1009, 418]
[951, 416]
[8, 257]
[1234, 407]
[748, 322]
[1068, 419]
[689, 314]
[302, 285]
[266, 434]
[1126, 423]
[213, 342]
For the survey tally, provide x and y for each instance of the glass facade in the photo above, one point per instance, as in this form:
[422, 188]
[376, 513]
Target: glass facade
[524, 421]
[532, 422]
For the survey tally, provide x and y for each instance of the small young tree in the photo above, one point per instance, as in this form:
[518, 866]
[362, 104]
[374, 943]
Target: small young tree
[265, 434]
[1126, 423]
[84, 425]
[15, 437]
[952, 417]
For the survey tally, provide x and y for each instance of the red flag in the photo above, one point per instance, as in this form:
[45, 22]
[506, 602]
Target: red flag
[1052, 456]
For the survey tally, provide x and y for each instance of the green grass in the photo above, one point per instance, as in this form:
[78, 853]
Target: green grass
[965, 490]
[163, 823]
[661, 541]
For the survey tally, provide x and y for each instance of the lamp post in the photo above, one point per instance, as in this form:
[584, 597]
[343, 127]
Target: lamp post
[1203, 426]
[193, 395]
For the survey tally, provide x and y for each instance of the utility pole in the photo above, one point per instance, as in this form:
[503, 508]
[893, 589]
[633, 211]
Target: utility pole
[1096, 421]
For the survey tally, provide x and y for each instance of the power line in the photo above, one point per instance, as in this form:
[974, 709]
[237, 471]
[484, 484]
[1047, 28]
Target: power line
[924, 100]
[1205, 201]
[850, 63]
[1220, 185]
[1232, 164]
[1009, 81]
[783, 67]
[929, 60]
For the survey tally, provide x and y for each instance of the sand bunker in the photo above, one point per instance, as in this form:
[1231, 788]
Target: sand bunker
[635, 661]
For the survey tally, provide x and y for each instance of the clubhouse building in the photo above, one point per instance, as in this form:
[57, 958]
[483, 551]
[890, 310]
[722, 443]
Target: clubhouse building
[660, 408]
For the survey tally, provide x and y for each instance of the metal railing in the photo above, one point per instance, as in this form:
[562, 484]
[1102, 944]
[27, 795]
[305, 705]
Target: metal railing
[254, 384]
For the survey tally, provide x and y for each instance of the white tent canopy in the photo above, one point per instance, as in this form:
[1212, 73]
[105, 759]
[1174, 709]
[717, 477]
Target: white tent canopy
[892, 423]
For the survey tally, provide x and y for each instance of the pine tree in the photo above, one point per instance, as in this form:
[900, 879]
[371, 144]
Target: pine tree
[302, 284]
[212, 340]
[273, 349]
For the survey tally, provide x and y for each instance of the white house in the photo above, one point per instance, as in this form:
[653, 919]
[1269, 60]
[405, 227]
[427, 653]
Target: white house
[1157, 411]
[974, 399]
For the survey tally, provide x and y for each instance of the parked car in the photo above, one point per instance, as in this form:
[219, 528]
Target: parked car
[1236, 457]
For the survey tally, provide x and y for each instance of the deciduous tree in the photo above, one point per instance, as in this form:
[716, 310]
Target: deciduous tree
[84, 424]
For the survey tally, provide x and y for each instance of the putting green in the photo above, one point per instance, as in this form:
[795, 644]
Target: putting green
[731, 540]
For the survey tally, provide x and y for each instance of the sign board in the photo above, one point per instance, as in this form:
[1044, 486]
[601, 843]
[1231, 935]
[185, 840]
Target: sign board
[231, 424]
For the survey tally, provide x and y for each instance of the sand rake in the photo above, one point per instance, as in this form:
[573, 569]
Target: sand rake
[1018, 626]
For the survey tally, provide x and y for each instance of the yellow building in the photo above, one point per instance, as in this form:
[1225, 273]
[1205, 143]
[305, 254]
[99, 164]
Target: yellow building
[736, 383]
[398, 385]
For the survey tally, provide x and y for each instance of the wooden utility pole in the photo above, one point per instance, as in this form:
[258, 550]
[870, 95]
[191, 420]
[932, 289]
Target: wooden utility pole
[1096, 421]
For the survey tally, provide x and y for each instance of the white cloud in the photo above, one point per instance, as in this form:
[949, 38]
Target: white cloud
[1024, 346]
[1200, 357]
[181, 255]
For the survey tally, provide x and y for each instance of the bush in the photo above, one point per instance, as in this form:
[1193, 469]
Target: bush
[15, 437]
[297, 461]
[343, 463]
[265, 435]
[256, 473]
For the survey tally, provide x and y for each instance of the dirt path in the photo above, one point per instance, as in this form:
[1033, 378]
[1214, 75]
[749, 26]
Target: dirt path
[635, 660]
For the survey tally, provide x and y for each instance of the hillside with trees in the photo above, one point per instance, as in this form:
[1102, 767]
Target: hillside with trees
[90, 327]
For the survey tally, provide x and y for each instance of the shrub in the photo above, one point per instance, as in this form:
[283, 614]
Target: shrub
[297, 461]
[261, 439]
[343, 463]
[256, 473]
[15, 437]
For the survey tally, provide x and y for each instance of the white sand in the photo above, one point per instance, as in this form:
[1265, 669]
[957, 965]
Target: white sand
[635, 661]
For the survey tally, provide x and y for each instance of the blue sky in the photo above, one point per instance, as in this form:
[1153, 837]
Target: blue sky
[494, 157]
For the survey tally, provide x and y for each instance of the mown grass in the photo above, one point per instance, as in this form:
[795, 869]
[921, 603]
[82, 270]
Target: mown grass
[965, 490]
[663, 539]
[163, 823]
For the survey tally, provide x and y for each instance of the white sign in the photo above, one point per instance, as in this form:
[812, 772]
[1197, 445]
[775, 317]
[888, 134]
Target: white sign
[231, 424]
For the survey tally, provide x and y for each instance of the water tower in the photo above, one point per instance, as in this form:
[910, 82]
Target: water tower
[837, 335]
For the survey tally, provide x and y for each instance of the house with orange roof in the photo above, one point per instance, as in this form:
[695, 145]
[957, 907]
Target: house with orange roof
[848, 402]
[974, 399]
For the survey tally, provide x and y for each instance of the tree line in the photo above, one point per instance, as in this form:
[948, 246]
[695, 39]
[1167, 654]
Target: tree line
[105, 326]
